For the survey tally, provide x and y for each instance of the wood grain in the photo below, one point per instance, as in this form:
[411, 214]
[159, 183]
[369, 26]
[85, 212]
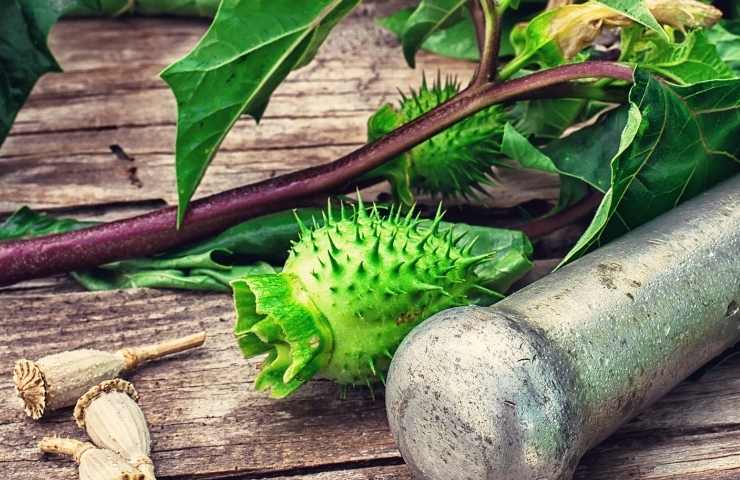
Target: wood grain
[58, 152]
[206, 420]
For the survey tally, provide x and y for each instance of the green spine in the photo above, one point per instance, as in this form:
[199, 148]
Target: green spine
[349, 293]
[455, 162]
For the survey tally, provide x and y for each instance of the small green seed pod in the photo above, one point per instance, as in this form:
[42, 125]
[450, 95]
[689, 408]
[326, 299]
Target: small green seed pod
[455, 162]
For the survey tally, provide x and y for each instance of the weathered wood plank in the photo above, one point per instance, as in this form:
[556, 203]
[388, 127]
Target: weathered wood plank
[205, 418]
[58, 152]
[207, 422]
[112, 96]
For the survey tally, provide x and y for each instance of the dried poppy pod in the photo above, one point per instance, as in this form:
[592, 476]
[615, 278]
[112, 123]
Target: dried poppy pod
[95, 463]
[57, 381]
[110, 414]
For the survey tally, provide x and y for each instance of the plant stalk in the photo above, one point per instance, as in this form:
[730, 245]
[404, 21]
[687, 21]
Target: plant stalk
[135, 356]
[487, 20]
[156, 231]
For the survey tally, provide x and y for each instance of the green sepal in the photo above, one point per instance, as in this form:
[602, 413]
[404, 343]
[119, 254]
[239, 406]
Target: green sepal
[274, 314]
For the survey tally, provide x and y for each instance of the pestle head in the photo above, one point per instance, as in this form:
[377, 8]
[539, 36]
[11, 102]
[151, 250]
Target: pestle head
[473, 394]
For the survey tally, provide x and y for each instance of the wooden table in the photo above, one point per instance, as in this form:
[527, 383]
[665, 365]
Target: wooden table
[206, 420]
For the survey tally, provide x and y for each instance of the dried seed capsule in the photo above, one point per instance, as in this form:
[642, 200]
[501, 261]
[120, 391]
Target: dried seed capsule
[95, 463]
[57, 381]
[113, 420]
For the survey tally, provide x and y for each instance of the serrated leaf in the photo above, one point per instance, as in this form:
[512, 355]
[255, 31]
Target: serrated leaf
[695, 59]
[577, 155]
[678, 142]
[638, 11]
[246, 53]
[428, 17]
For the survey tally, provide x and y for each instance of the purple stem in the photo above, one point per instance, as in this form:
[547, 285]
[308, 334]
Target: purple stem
[487, 21]
[156, 231]
[546, 225]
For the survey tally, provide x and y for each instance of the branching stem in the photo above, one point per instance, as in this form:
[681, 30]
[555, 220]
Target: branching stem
[156, 231]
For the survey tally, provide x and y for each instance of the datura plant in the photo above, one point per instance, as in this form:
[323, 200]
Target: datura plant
[456, 162]
[655, 82]
[348, 294]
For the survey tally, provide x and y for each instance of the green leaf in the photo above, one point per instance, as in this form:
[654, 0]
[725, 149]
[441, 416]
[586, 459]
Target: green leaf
[693, 60]
[210, 278]
[512, 261]
[678, 142]
[265, 238]
[638, 11]
[26, 223]
[429, 17]
[456, 41]
[576, 157]
[24, 54]
[534, 43]
[190, 8]
[247, 52]
[549, 118]
[727, 44]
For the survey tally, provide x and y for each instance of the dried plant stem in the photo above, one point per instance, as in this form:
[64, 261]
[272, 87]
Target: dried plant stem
[68, 447]
[135, 356]
[157, 231]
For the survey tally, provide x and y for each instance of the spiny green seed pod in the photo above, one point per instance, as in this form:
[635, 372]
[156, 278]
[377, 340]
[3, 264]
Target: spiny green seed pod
[455, 162]
[349, 293]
